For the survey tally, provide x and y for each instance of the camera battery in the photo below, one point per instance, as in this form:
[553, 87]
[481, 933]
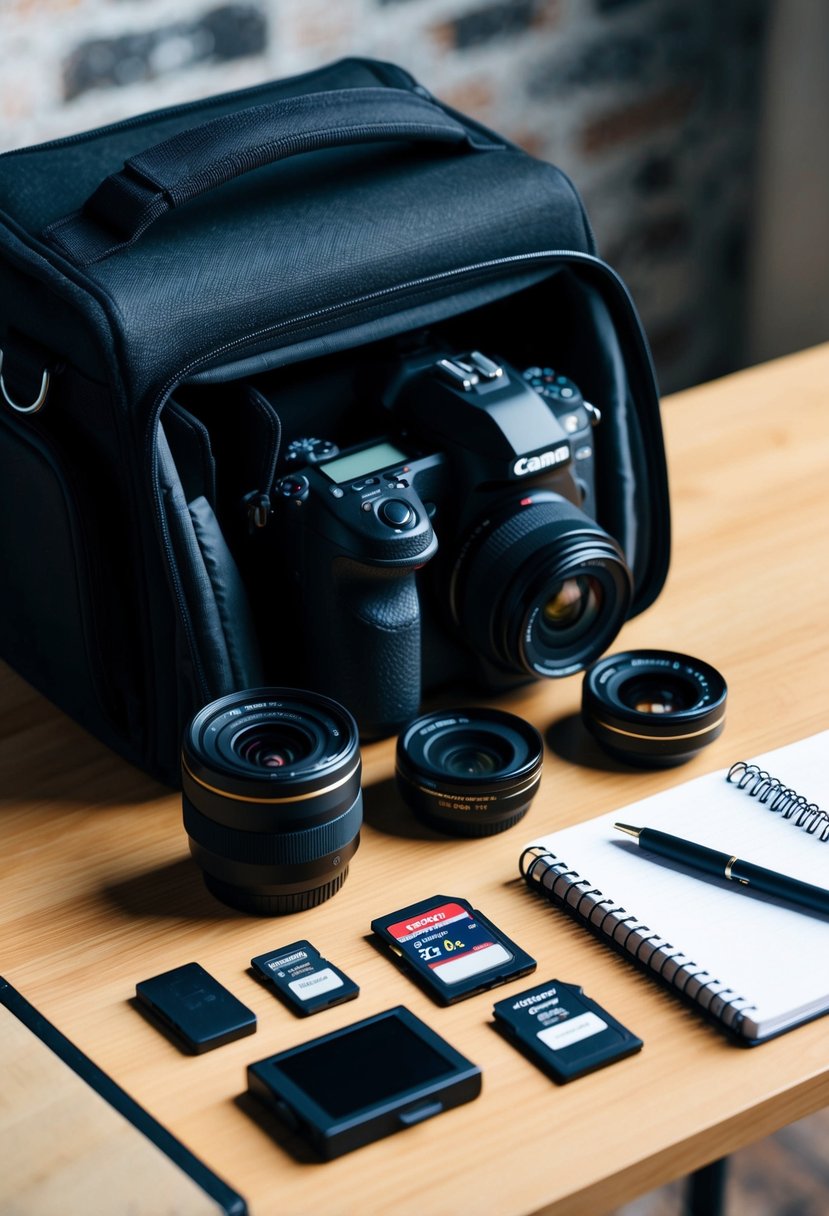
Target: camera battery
[196, 1008]
[379, 1076]
[450, 948]
[563, 1031]
[303, 979]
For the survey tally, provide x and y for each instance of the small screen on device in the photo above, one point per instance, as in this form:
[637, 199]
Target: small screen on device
[368, 1065]
[367, 460]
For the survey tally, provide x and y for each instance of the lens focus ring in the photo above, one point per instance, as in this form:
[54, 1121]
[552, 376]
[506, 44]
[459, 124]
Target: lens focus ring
[269, 848]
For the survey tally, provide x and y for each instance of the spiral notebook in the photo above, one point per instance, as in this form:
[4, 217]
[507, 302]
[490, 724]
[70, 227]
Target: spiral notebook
[757, 965]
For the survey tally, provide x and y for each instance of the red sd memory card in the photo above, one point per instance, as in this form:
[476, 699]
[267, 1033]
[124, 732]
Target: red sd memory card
[450, 948]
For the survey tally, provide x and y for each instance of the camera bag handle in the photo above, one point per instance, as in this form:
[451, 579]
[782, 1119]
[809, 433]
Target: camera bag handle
[196, 161]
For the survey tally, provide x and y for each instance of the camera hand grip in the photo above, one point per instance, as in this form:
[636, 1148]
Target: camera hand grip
[367, 653]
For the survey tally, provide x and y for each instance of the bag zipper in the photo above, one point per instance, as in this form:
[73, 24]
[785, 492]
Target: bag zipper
[318, 314]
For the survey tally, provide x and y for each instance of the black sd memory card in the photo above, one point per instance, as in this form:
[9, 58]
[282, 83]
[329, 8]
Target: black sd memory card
[563, 1031]
[450, 948]
[303, 979]
[199, 1011]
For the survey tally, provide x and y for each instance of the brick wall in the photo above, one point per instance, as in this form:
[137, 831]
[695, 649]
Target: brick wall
[649, 105]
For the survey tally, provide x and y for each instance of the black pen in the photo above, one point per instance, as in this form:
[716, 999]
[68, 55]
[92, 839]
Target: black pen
[722, 865]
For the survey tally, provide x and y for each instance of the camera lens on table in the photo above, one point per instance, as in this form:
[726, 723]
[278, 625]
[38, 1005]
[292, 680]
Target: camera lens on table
[469, 772]
[653, 708]
[272, 798]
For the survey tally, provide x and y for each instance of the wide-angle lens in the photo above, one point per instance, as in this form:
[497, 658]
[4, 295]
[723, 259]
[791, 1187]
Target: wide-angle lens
[470, 772]
[653, 708]
[272, 799]
[539, 588]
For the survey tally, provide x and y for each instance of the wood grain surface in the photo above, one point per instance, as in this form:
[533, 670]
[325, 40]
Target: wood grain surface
[98, 890]
[66, 1150]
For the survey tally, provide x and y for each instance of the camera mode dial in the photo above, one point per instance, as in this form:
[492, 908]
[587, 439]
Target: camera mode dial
[564, 397]
[307, 450]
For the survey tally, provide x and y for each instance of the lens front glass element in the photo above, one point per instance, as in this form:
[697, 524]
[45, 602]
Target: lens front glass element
[470, 753]
[570, 609]
[654, 694]
[272, 745]
[470, 762]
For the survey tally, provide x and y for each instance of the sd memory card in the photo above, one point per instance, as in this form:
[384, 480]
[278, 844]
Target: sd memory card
[450, 948]
[303, 979]
[563, 1031]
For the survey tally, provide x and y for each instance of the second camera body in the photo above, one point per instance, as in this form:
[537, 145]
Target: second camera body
[461, 543]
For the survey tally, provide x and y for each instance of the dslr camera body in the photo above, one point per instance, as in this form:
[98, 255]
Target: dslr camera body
[462, 543]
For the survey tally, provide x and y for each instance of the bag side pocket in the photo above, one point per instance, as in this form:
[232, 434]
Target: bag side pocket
[218, 616]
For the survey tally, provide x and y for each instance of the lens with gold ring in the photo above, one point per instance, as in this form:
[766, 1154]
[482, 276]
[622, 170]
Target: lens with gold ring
[469, 772]
[653, 708]
[272, 798]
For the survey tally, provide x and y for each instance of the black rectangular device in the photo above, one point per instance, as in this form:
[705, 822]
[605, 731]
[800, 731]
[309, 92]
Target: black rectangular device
[450, 948]
[366, 1081]
[303, 979]
[195, 1007]
[563, 1031]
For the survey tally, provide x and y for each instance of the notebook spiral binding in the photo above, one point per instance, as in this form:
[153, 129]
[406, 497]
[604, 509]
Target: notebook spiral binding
[632, 937]
[779, 797]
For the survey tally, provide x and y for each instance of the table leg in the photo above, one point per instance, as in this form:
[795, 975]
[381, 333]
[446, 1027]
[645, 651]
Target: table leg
[705, 1193]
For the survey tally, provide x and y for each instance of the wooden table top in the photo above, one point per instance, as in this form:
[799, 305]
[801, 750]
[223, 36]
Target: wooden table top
[98, 890]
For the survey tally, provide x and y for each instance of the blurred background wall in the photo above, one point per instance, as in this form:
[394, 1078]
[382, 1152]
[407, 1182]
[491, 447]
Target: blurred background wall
[675, 118]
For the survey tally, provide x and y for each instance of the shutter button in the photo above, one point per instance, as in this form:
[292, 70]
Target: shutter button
[396, 513]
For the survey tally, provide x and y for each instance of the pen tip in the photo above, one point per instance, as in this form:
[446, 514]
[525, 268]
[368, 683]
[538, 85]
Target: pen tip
[626, 827]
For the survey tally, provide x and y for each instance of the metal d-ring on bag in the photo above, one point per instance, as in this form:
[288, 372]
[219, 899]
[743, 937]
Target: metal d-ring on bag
[39, 399]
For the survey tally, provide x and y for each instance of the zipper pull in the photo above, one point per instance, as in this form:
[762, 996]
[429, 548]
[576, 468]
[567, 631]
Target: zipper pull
[257, 503]
[258, 507]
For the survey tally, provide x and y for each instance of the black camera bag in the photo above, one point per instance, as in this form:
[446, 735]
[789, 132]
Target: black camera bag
[200, 250]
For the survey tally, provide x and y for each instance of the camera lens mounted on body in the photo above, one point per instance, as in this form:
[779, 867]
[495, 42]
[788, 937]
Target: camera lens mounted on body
[272, 798]
[469, 772]
[539, 587]
[653, 708]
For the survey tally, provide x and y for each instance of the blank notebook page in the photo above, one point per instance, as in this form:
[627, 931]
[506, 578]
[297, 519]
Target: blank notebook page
[774, 955]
